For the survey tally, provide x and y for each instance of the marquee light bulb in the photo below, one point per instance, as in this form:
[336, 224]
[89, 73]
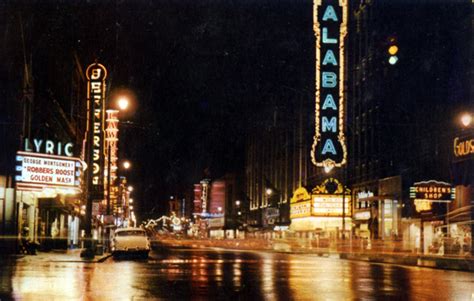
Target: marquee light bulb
[328, 168]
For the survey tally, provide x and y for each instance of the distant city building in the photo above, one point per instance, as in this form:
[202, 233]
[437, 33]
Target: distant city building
[218, 207]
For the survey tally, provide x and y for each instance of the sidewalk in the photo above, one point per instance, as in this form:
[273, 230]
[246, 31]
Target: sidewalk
[427, 261]
[73, 255]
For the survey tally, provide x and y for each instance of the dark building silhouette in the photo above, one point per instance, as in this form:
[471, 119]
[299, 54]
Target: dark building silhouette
[44, 92]
[403, 113]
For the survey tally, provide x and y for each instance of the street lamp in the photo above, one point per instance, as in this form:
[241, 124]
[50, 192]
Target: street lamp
[466, 119]
[126, 164]
[123, 103]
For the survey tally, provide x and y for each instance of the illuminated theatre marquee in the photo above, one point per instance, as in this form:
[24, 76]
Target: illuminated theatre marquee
[37, 171]
[96, 75]
[330, 27]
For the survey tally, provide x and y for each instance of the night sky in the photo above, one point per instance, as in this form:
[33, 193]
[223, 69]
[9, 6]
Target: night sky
[202, 72]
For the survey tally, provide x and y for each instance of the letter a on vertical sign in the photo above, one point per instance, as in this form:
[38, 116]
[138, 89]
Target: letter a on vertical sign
[330, 27]
[95, 136]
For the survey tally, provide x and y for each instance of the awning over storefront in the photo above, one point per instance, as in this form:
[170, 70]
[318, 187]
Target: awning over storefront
[57, 204]
[462, 214]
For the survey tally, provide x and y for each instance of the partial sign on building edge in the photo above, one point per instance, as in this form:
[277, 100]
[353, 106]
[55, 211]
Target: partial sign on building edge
[96, 75]
[463, 148]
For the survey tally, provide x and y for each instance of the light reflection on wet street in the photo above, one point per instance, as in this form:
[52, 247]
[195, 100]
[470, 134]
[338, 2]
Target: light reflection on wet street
[215, 274]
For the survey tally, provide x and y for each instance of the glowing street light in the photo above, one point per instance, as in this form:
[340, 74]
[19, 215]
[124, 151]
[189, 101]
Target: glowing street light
[130, 188]
[466, 119]
[130, 201]
[123, 103]
[126, 164]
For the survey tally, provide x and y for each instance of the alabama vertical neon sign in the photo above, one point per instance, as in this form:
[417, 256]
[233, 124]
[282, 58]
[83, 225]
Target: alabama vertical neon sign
[330, 27]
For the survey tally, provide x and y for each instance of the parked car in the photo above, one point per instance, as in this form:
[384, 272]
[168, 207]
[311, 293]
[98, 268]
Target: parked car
[130, 241]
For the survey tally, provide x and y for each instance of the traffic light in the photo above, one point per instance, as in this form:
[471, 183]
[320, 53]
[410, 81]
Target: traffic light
[392, 50]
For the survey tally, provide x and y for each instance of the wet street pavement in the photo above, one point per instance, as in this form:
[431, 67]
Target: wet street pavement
[217, 274]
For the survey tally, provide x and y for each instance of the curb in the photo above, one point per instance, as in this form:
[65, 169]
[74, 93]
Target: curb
[75, 258]
[104, 258]
[417, 261]
[12, 256]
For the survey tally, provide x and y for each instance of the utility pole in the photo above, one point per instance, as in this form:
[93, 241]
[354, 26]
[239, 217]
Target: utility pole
[343, 210]
[109, 158]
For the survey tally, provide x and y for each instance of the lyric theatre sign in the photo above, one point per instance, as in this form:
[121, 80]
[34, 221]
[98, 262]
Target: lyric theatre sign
[95, 138]
[330, 27]
[47, 164]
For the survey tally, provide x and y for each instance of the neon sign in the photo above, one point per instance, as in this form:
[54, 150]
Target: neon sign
[111, 140]
[301, 209]
[96, 75]
[204, 196]
[330, 27]
[463, 148]
[433, 191]
[48, 147]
